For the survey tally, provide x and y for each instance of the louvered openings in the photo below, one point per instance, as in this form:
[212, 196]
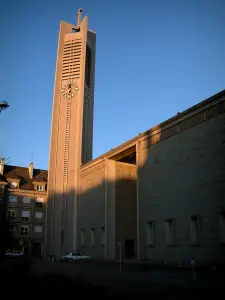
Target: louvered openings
[88, 66]
[71, 59]
[66, 152]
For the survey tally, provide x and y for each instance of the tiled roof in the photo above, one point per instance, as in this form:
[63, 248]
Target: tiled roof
[22, 173]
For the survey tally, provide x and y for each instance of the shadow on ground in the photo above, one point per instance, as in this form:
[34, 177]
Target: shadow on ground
[16, 276]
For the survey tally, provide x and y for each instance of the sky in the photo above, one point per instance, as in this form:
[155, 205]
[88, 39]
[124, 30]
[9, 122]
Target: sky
[154, 58]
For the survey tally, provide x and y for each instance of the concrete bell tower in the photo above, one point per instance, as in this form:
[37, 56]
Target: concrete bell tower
[71, 132]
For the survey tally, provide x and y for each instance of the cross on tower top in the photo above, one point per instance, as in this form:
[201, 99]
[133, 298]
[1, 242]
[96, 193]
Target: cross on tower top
[79, 16]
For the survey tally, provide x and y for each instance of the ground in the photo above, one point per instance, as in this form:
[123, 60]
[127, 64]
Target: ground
[106, 281]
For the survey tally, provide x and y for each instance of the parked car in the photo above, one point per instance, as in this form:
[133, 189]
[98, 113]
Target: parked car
[14, 254]
[71, 256]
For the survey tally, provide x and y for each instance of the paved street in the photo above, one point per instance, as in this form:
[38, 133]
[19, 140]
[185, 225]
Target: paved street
[162, 281]
[105, 280]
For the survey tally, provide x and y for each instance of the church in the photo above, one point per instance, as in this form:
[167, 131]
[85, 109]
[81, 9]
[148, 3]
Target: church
[158, 197]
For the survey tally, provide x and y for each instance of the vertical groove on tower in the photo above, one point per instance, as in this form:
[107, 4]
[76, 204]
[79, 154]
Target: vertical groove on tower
[66, 152]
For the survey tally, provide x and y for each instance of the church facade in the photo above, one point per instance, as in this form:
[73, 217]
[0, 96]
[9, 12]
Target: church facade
[158, 197]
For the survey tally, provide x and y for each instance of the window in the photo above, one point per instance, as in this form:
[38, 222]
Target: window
[38, 229]
[38, 215]
[92, 236]
[151, 234]
[40, 188]
[26, 200]
[170, 232]
[24, 230]
[195, 230]
[12, 199]
[39, 203]
[13, 185]
[11, 215]
[25, 215]
[12, 228]
[82, 238]
[103, 237]
[222, 227]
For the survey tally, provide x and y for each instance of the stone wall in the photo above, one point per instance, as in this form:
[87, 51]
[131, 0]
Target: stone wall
[91, 211]
[179, 178]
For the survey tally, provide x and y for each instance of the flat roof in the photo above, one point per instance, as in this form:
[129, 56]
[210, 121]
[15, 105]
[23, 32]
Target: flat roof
[122, 147]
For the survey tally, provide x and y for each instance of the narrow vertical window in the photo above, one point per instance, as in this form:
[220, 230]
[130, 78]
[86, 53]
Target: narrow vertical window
[103, 237]
[195, 230]
[151, 234]
[82, 242]
[170, 232]
[92, 236]
[222, 227]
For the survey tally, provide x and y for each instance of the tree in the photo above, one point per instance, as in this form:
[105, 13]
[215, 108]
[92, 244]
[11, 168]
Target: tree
[3, 105]
[7, 160]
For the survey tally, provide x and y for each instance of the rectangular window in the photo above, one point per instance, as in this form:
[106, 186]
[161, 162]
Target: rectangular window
[170, 232]
[12, 228]
[24, 230]
[82, 238]
[26, 200]
[38, 229]
[103, 236]
[38, 215]
[12, 199]
[195, 230]
[40, 188]
[11, 215]
[92, 236]
[222, 227]
[13, 185]
[39, 202]
[25, 215]
[151, 234]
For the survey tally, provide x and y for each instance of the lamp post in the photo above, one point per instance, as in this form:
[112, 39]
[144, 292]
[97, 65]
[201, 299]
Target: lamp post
[3, 105]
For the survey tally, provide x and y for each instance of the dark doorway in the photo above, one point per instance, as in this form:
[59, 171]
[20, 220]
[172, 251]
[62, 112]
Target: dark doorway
[36, 250]
[129, 248]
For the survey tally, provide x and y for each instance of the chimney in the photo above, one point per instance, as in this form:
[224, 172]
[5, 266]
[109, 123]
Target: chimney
[2, 162]
[31, 170]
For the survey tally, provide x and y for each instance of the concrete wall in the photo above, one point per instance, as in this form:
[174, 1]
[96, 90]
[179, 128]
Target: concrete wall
[91, 209]
[181, 177]
[126, 205]
[107, 199]
[110, 210]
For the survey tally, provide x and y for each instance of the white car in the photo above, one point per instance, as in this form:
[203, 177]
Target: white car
[14, 254]
[70, 256]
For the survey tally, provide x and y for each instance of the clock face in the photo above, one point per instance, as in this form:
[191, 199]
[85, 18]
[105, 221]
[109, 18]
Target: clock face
[69, 90]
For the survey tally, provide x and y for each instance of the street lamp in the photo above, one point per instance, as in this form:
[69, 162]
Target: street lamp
[3, 105]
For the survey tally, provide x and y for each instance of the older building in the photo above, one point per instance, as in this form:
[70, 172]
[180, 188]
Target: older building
[3, 183]
[25, 191]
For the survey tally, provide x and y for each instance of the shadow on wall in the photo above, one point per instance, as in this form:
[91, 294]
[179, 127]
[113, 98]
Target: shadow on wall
[181, 192]
[167, 205]
[10, 241]
[107, 214]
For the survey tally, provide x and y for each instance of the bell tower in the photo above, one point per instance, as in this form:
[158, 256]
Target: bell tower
[71, 132]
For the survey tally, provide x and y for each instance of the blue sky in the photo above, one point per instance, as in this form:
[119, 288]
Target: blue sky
[154, 59]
